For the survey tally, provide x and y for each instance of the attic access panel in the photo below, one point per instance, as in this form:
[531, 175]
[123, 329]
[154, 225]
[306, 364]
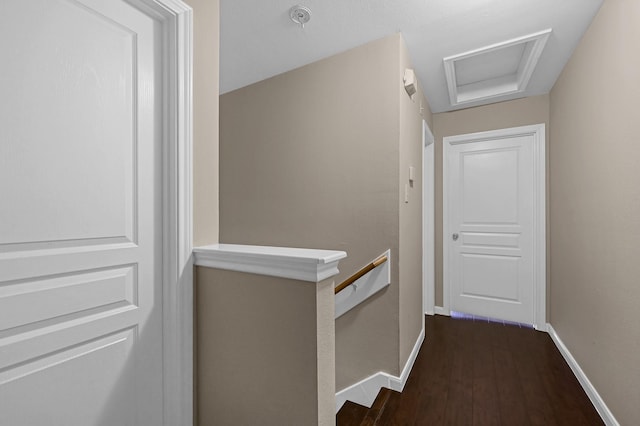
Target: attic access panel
[496, 70]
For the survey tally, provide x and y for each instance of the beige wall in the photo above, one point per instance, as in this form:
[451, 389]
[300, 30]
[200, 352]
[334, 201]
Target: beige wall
[206, 25]
[311, 159]
[520, 112]
[410, 255]
[262, 359]
[205, 121]
[595, 206]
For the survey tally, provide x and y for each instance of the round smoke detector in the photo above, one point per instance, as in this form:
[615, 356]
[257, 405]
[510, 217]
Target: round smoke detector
[300, 14]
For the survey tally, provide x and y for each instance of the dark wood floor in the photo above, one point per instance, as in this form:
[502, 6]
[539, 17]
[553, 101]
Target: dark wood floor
[479, 373]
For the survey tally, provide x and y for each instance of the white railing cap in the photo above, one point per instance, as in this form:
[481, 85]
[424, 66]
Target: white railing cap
[295, 263]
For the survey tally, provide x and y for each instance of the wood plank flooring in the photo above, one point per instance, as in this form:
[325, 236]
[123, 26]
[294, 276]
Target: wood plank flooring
[472, 372]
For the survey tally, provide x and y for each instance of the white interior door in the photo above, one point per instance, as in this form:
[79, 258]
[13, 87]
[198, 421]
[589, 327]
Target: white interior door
[80, 214]
[492, 235]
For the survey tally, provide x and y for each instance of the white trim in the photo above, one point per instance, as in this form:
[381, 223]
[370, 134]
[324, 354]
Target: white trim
[177, 309]
[294, 263]
[498, 86]
[539, 231]
[365, 391]
[590, 390]
[445, 231]
[397, 383]
[439, 310]
[427, 135]
[428, 225]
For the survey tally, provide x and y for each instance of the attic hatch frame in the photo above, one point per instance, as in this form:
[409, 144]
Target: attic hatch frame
[499, 84]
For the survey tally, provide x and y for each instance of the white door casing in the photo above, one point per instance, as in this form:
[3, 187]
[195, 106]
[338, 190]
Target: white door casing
[494, 200]
[95, 231]
[428, 228]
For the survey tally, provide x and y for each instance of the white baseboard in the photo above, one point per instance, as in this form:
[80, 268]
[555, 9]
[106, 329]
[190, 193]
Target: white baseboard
[397, 383]
[365, 391]
[590, 390]
[439, 310]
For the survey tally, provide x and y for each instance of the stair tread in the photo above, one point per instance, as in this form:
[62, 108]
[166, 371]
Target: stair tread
[387, 416]
[377, 410]
[380, 413]
[351, 414]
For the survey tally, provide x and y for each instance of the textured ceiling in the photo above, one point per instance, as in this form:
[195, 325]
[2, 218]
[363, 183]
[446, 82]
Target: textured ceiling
[258, 40]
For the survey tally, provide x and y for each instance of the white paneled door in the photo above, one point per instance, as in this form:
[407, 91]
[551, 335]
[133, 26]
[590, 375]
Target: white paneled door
[494, 224]
[80, 214]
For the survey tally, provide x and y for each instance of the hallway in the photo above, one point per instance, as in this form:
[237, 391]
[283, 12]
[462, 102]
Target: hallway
[478, 373]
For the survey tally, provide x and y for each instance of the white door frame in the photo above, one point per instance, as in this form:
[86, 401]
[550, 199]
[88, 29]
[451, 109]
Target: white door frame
[177, 291]
[539, 221]
[428, 220]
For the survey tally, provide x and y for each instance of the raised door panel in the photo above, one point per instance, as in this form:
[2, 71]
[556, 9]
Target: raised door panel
[489, 187]
[54, 300]
[45, 391]
[491, 277]
[71, 79]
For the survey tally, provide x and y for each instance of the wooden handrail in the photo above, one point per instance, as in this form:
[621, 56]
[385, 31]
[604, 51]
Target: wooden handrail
[346, 283]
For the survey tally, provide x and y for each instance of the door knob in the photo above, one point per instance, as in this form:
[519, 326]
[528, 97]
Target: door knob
[455, 236]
